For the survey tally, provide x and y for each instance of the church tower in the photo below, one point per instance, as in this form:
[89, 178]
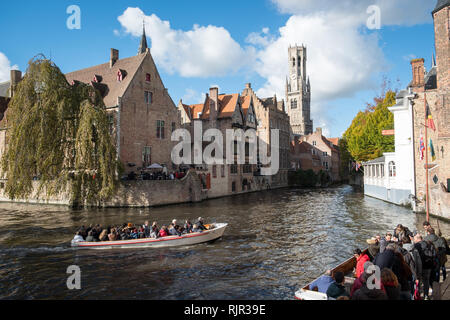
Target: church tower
[298, 92]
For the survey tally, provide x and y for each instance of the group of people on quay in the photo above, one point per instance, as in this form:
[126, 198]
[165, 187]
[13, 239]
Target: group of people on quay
[129, 231]
[408, 264]
[178, 175]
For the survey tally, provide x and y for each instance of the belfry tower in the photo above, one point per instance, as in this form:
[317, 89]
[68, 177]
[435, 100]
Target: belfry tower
[298, 92]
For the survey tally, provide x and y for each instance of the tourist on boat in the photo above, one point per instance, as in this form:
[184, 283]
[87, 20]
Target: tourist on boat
[187, 227]
[154, 230]
[164, 232]
[200, 224]
[336, 288]
[173, 231]
[385, 241]
[147, 229]
[428, 255]
[90, 237]
[103, 235]
[322, 283]
[197, 228]
[374, 246]
[390, 284]
[361, 259]
[78, 237]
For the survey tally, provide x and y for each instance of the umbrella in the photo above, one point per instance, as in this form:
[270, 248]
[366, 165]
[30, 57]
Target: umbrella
[155, 166]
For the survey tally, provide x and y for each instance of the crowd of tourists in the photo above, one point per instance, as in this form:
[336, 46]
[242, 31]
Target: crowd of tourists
[408, 264]
[129, 231]
[155, 176]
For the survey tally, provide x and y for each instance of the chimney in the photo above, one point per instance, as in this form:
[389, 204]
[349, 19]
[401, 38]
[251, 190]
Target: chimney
[319, 131]
[418, 71]
[16, 77]
[114, 57]
[213, 103]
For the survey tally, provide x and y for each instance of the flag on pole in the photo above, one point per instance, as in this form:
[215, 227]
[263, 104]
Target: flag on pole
[433, 154]
[422, 148]
[430, 122]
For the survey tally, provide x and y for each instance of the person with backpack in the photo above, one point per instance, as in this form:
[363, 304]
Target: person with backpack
[439, 244]
[428, 256]
[444, 253]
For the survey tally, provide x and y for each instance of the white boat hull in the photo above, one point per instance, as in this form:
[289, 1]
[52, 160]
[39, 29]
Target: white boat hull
[172, 241]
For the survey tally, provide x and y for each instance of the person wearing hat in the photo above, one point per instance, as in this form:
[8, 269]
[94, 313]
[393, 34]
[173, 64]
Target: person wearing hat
[374, 246]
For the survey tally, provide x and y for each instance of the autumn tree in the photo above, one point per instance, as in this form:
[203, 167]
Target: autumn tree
[364, 139]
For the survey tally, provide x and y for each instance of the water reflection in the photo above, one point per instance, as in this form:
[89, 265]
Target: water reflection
[276, 242]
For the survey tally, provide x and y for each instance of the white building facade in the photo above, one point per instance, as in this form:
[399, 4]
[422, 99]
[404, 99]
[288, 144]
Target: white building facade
[391, 177]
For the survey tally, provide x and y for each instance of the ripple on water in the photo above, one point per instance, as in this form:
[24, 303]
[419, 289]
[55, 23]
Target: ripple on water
[276, 242]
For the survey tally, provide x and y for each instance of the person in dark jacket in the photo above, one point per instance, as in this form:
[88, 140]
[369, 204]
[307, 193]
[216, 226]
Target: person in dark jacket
[427, 263]
[445, 252]
[187, 227]
[439, 245]
[385, 242]
[337, 289]
[390, 283]
[386, 259]
[366, 293]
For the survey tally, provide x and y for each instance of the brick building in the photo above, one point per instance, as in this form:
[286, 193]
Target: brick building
[239, 111]
[142, 114]
[304, 158]
[328, 152]
[434, 85]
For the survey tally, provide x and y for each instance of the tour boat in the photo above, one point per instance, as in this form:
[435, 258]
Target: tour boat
[346, 268]
[212, 234]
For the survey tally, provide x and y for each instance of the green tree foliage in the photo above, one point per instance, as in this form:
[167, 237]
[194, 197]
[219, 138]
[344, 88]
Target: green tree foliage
[58, 134]
[364, 137]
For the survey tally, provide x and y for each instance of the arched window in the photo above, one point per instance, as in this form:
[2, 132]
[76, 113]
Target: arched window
[294, 104]
[293, 62]
[392, 169]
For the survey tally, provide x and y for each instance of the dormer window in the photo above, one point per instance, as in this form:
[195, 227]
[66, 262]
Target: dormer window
[97, 79]
[148, 77]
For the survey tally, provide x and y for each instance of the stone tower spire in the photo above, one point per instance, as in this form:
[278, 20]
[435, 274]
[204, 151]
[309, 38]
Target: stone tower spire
[143, 46]
[298, 95]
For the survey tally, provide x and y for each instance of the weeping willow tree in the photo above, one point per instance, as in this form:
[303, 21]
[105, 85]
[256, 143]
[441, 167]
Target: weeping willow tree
[58, 135]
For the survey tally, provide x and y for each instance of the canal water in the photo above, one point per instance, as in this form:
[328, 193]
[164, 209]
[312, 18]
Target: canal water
[276, 242]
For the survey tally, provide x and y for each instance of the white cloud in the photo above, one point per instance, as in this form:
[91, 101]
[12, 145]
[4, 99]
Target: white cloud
[340, 60]
[393, 12]
[5, 68]
[201, 52]
[192, 96]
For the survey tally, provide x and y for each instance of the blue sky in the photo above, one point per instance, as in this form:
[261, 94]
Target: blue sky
[232, 43]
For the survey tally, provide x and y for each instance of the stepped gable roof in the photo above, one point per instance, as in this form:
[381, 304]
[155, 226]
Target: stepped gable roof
[441, 4]
[114, 88]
